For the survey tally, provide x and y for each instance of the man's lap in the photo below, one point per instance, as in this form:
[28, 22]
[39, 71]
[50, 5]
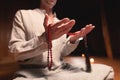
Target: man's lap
[98, 72]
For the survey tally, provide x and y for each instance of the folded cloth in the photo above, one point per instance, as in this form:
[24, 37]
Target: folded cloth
[99, 72]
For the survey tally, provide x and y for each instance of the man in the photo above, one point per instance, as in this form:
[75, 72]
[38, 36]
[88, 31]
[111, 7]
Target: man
[36, 33]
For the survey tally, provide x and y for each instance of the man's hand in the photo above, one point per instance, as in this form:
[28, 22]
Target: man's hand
[81, 33]
[58, 29]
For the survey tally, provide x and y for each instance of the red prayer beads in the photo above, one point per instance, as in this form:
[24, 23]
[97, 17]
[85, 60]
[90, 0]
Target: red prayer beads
[49, 59]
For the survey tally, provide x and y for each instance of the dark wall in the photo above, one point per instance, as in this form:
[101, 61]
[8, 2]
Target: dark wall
[113, 16]
[83, 11]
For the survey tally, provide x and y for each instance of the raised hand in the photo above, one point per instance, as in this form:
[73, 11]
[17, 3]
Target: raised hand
[81, 33]
[58, 29]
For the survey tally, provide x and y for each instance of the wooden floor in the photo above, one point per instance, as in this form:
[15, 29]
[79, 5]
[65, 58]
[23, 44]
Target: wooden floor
[8, 66]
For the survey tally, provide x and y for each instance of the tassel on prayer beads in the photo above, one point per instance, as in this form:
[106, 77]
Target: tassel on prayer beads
[49, 58]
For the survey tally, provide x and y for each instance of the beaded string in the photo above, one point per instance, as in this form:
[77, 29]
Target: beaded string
[87, 61]
[49, 58]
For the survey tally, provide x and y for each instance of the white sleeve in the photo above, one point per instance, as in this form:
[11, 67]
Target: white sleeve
[19, 44]
[70, 47]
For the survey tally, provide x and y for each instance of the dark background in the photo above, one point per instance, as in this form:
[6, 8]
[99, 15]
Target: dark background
[83, 11]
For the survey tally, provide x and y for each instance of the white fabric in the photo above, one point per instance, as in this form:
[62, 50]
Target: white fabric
[24, 42]
[99, 72]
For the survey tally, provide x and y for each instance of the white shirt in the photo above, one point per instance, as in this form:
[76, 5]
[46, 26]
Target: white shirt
[25, 44]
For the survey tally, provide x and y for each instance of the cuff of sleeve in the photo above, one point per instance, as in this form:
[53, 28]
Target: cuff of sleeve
[76, 42]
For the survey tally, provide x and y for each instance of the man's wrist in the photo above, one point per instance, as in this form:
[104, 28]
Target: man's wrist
[76, 41]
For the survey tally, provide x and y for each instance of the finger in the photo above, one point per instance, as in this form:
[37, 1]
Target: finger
[63, 30]
[80, 33]
[67, 27]
[89, 28]
[61, 22]
[83, 32]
